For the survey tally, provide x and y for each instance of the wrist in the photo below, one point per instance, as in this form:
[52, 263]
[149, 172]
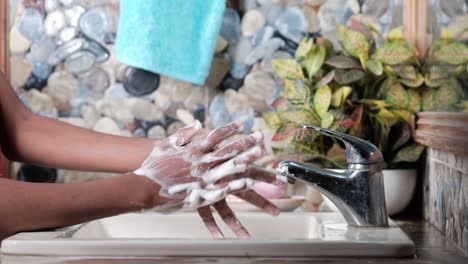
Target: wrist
[148, 197]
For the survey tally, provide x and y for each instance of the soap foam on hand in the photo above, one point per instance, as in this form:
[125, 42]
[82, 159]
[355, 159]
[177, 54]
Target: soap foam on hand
[194, 175]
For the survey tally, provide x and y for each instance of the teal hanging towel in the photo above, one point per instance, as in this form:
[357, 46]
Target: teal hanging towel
[170, 37]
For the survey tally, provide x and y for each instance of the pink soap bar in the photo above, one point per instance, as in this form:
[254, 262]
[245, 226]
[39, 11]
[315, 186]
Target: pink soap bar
[270, 191]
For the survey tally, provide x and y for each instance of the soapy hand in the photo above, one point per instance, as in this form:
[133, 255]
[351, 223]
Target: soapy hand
[192, 174]
[250, 196]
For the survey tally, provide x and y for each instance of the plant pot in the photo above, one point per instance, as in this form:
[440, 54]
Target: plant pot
[399, 189]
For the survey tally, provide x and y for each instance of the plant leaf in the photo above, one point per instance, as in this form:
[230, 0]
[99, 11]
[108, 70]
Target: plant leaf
[356, 116]
[272, 119]
[296, 90]
[463, 106]
[303, 49]
[393, 53]
[397, 96]
[297, 117]
[322, 100]
[343, 62]
[437, 72]
[409, 153]
[395, 35]
[376, 104]
[406, 71]
[287, 69]
[403, 114]
[280, 103]
[453, 53]
[429, 101]
[340, 95]
[447, 97]
[387, 117]
[315, 61]
[285, 133]
[327, 120]
[326, 79]
[386, 85]
[404, 135]
[347, 77]
[375, 67]
[353, 42]
[413, 83]
[433, 82]
[414, 101]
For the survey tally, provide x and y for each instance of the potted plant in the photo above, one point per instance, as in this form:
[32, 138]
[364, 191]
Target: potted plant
[366, 90]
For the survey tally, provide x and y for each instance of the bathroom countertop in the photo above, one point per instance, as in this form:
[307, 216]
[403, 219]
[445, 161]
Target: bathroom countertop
[431, 248]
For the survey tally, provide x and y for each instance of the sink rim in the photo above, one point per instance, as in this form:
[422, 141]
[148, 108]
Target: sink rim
[47, 242]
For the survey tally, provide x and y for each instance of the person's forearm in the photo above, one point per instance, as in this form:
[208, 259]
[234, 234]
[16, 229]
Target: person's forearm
[27, 137]
[53, 143]
[35, 206]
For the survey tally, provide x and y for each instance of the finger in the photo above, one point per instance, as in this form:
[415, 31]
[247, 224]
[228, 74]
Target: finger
[232, 166]
[236, 147]
[220, 134]
[209, 221]
[185, 134]
[259, 201]
[255, 173]
[230, 219]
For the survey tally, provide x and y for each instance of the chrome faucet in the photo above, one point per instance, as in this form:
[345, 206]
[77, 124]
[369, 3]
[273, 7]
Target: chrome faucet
[358, 193]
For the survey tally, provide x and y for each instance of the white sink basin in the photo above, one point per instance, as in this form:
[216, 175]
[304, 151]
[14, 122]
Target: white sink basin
[152, 234]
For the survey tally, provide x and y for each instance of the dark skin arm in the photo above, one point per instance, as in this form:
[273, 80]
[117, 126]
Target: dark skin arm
[26, 137]
[36, 206]
[30, 138]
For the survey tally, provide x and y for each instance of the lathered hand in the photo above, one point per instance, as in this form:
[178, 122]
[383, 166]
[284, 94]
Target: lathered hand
[193, 174]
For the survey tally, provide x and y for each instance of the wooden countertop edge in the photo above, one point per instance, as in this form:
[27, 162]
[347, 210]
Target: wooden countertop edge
[446, 131]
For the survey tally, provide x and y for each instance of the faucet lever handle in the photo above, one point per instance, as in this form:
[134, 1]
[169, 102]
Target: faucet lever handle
[358, 151]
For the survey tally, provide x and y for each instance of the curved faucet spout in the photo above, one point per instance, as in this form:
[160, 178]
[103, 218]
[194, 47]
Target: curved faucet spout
[357, 193]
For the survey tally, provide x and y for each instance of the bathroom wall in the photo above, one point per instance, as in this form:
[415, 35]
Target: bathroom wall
[446, 195]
